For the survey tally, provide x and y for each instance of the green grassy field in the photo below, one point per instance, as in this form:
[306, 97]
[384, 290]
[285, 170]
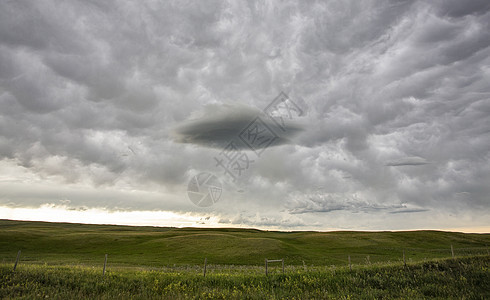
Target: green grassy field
[62, 243]
[459, 278]
[64, 261]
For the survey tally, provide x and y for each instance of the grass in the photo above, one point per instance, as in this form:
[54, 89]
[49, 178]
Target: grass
[460, 278]
[63, 243]
[64, 261]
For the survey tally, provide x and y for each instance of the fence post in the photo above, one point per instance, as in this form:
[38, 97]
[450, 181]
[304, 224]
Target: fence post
[17, 260]
[452, 251]
[350, 265]
[105, 262]
[283, 266]
[266, 267]
[404, 262]
[304, 266]
[205, 263]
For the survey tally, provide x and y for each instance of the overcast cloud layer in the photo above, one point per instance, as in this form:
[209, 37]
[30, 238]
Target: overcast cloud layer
[99, 102]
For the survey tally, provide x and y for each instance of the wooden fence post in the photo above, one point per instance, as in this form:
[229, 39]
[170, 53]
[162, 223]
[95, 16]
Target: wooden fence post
[105, 262]
[304, 266]
[404, 262]
[267, 261]
[350, 265]
[452, 251]
[205, 263]
[17, 260]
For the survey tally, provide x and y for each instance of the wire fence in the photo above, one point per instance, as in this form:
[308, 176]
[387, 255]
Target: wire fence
[341, 261]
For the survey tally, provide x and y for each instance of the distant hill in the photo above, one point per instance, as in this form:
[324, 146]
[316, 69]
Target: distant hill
[66, 243]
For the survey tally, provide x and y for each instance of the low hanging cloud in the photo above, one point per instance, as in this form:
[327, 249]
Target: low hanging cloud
[219, 124]
[330, 203]
[326, 203]
[408, 161]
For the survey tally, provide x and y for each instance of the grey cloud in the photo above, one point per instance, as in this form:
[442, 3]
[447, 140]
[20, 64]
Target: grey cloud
[329, 203]
[257, 220]
[458, 9]
[408, 161]
[219, 124]
[408, 210]
[83, 83]
[16, 195]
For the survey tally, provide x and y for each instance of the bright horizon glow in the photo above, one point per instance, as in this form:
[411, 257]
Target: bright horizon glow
[55, 213]
[62, 214]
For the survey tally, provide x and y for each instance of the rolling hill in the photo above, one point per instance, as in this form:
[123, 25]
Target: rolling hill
[66, 243]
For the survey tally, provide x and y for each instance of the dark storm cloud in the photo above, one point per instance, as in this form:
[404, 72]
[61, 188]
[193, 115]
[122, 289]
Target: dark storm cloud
[407, 210]
[220, 124]
[457, 9]
[96, 95]
[408, 161]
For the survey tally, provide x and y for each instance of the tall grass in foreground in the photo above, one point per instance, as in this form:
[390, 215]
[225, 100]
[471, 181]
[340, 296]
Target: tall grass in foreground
[467, 278]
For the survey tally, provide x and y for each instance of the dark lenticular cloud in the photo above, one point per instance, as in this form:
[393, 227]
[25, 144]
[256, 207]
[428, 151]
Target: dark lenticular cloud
[219, 124]
[408, 161]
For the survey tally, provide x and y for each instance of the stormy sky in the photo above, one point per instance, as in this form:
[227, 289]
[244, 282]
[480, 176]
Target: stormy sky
[109, 109]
